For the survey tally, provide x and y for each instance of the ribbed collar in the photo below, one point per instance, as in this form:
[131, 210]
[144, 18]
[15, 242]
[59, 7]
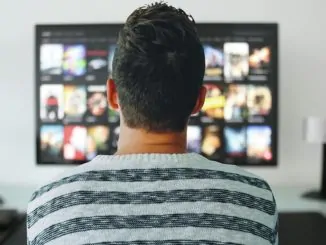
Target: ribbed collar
[151, 157]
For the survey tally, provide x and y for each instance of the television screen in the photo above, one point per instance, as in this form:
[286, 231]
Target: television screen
[238, 121]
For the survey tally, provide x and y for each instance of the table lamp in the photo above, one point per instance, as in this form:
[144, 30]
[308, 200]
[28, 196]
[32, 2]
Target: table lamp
[314, 132]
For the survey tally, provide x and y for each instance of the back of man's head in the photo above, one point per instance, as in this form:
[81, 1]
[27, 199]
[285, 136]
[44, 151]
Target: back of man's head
[158, 68]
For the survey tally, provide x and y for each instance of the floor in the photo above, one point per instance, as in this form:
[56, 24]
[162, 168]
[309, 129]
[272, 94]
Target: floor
[302, 228]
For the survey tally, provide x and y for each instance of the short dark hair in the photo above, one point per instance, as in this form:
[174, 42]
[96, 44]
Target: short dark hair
[158, 68]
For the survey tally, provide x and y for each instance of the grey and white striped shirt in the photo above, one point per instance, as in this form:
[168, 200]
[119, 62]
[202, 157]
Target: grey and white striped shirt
[153, 199]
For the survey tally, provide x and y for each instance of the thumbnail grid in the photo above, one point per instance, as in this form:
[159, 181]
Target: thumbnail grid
[234, 126]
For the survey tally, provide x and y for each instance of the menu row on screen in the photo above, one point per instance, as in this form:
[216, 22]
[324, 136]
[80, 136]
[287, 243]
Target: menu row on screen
[253, 142]
[237, 61]
[228, 62]
[75, 61]
[74, 103]
[88, 103]
[81, 143]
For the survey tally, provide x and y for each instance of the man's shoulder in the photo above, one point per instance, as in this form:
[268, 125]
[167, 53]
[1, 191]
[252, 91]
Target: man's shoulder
[75, 174]
[241, 172]
[235, 173]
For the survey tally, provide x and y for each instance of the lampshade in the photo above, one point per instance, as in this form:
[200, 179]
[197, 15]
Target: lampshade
[314, 130]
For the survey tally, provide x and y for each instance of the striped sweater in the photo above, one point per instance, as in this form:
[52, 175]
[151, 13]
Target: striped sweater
[153, 199]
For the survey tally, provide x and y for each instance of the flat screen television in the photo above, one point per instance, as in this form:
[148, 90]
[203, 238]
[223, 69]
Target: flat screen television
[238, 122]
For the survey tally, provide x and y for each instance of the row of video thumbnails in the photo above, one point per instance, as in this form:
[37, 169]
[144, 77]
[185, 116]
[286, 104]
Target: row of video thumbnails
[229, 61]
[88, 104]
[80, 143]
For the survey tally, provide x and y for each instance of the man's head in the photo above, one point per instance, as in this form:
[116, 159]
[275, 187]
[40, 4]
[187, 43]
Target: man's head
[158, 70]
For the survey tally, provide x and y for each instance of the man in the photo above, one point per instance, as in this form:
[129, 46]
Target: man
[151, 191]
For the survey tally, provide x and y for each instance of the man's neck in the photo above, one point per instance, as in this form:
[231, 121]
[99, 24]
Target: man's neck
[136, 141]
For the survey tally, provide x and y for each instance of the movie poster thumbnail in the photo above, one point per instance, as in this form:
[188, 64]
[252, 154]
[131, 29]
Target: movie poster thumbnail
[213, 108]
[259, 140]
[75, 138]
[51, 102]
[112, 48]
[236, 61]
[51, 143]
[259, 63]
[214, 61]
[194, 139]
[97, 141]
[235, 141]
[74, 61]
[51, 59]
[97, 61]
[259, 102]
[235, 109]
[96, 104]
[212, 143]
[74, 103]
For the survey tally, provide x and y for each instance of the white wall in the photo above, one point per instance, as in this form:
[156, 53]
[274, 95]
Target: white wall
[302, 63]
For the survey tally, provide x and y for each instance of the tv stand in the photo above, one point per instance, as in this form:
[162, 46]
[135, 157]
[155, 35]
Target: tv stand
[321, 194]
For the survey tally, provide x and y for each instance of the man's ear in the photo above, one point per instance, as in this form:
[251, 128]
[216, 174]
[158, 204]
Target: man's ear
[112, 95]
[200, 100]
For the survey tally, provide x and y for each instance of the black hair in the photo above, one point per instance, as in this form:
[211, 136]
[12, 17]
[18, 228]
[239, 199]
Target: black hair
[158, 68]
